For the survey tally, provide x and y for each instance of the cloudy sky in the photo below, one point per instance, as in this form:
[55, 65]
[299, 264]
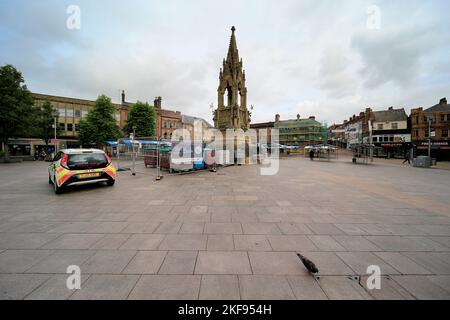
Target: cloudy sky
[325, 58]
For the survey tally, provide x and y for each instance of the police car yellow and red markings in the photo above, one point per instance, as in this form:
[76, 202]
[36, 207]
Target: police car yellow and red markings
[62, 174]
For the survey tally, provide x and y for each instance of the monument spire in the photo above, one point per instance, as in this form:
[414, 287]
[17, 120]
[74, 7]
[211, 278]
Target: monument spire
[231, 112]
[233, 55]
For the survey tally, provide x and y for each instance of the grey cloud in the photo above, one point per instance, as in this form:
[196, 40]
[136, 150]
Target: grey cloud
[393, 55]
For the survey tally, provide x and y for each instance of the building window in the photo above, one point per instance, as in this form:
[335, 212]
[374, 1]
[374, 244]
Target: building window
[416, 119]
[442, 117]
[62, 112]
[385, 138]
[394, 125]
[375, 139]
[117, 116]
[69, 113]
[62, 126]
[448, 117]
[76, 127]
[391, 138]
[426, 133]
[77, 113]
[84, 113]
[380, 126]
[70, 127]
[444, 133]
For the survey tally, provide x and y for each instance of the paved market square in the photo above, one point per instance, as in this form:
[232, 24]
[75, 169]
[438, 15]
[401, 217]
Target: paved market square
[233, 234]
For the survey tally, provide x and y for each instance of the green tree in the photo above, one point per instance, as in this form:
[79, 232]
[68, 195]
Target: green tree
[142, 116]
[100, 124]
[45, 122]
[16, 106]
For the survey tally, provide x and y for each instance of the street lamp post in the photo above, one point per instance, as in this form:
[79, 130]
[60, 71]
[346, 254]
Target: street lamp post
[429, 137]
[134, 151]
[55, 115]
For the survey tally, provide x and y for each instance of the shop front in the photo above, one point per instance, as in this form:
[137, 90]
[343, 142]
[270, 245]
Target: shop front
[440, 150]
[391, 149]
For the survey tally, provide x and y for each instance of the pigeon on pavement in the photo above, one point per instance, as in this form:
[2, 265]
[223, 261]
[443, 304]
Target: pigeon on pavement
[308, 264]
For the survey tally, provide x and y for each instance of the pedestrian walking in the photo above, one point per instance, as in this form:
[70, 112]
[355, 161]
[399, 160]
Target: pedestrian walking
[407, 157]
[311, 154]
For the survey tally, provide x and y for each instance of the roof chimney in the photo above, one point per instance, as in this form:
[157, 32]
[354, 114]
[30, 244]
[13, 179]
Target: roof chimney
[157, 103]
[298, 117]
[277, 117]
[123, 96]
[443, 101]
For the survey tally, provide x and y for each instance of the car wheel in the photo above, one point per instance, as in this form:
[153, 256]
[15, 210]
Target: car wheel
[111, 182]
[57, 189]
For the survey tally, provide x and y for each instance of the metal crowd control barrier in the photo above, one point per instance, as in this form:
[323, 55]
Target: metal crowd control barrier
[136, 155]
[150, 156]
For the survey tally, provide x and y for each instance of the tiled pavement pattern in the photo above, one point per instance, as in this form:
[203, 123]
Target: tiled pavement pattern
[229, 235]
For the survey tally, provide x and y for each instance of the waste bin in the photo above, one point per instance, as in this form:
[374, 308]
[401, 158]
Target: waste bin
[422, 162]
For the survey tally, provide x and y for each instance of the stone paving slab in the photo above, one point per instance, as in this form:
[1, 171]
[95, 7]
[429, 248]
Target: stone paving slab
[18, 261]
[183, 242]
[261, 228]
[106, 287]
[220, 242]
[326, 243]
[59, 260]
[179, 262]
[421, 287]
[219, 287]
[265, 288]
[251, 243]
[402, 263]
[291, 243]
[343, 288]
[356, 243]
[222, 262]
[229, 235]
[145, 262]
[166, 287]
[17, 286]
[108, 261]
[329, 263]
[55, 288]
[142, 242]
[359, 261]
[306, 288]
[276, 263]
[25, 240]
[74, 241]
[389, 290]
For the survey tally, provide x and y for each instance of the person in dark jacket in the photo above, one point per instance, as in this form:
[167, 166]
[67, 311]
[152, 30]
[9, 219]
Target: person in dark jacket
[311, 154]
[407, 157]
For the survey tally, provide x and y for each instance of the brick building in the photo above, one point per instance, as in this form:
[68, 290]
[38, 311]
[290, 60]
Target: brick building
[432, 124]
[167, 121]
[71, 111]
